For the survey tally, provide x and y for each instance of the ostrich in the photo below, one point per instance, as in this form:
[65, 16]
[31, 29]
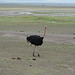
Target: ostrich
[36, 41]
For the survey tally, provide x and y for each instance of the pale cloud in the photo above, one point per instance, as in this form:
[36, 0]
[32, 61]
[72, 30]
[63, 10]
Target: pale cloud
[9, 1]
[40, 1]
[59, 1]
[49, 1]
[20, 1]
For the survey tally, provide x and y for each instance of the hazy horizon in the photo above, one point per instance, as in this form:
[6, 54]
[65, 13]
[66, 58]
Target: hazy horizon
[48, 4]
[37, 1]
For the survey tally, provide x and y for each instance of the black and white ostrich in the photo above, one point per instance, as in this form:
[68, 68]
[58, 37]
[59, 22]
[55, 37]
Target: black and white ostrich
[36, 41]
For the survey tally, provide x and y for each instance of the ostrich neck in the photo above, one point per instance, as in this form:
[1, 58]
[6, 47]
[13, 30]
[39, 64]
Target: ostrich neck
[44, 32]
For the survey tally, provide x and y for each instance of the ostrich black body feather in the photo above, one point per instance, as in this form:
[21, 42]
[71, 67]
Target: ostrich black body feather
[35, 40]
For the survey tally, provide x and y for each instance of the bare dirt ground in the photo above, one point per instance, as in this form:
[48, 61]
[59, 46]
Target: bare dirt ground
[57, 38]
[57, 53]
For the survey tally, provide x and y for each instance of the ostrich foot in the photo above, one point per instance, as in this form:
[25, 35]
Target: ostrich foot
[38, 55]
[33, 54]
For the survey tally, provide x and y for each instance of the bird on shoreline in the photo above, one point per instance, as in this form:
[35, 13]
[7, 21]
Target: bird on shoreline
[36, 40]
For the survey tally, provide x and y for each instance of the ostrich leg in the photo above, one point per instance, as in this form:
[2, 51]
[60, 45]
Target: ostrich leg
[35, 50]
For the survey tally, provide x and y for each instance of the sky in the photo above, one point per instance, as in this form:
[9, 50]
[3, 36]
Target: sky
[37, 1]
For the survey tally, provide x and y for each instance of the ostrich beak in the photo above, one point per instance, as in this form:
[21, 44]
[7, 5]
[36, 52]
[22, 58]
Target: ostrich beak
[27, 41]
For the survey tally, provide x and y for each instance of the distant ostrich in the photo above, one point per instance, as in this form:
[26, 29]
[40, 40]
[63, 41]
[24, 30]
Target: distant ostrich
[36, 41]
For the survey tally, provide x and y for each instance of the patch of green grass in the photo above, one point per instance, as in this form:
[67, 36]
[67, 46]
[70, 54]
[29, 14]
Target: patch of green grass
[36, 24]
[64, 25]
[18, 19]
